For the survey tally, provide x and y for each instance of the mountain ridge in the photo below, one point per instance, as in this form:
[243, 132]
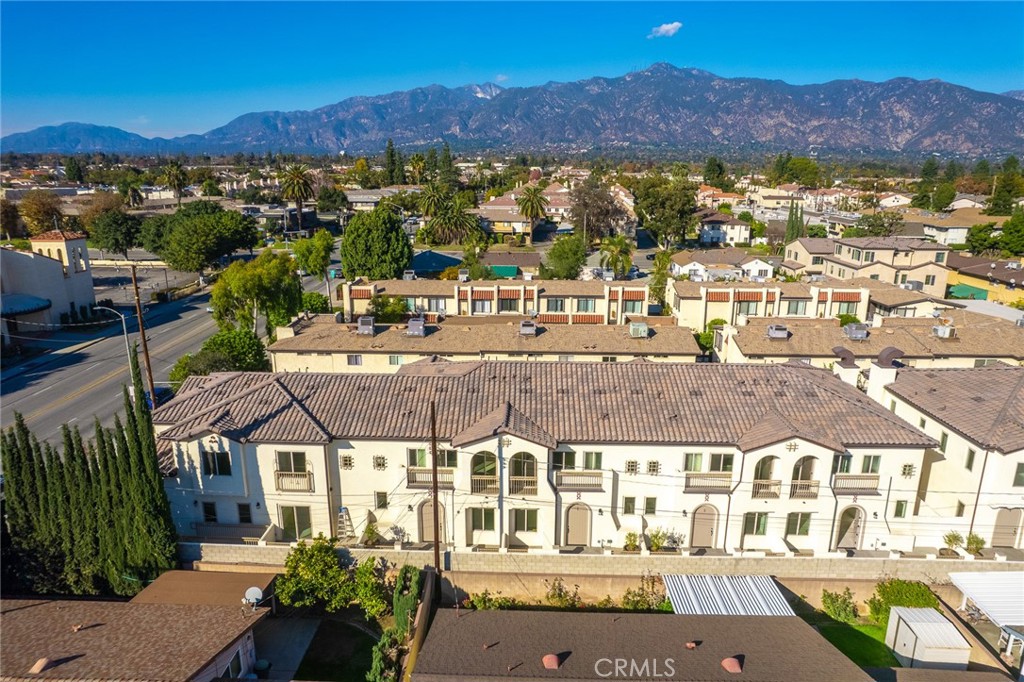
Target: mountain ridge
[660, 107]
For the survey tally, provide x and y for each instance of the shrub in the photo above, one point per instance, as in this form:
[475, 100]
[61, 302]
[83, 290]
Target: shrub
[558, 595]
[315, 302]
[371, 588]
[953, 539]
[371, 535]
[975, 543]
[845, 319]
[895, 592]
[407, 595]
[632, 543]
[385, 657]
[65, 319]
[658, 538]
[485, 601]
[606, 603]
[839, 605]
[649, 596]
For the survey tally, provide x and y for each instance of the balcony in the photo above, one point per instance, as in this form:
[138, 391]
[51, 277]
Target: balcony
[766, 490]
[579, 480]
[715, 482]
[423, 477]
[804, 490]
[294, 481]
[855, 484]
[229, 533]
[483, 485]
[522, 485]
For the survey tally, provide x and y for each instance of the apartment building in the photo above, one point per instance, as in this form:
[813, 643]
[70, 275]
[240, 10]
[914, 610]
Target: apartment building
[904, 261]
[547, 301]
[695, 304]
[717, 229]
[712, 264]
[973, 481]
[986, 279]
[540, 456]
[320, 343]
[957, 339]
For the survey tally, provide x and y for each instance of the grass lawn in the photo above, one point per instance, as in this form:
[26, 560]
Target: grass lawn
[338, 653]
[862, 644]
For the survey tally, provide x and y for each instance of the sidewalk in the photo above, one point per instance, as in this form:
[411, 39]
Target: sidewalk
[64, 343]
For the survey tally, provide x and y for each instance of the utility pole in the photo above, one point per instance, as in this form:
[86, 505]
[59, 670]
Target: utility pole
[142, 335]
[433, 452]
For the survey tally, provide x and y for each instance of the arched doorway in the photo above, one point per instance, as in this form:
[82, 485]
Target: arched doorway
[427, 521]
[705, 526]
[851, 527]
[577, 525]
[1007, 527]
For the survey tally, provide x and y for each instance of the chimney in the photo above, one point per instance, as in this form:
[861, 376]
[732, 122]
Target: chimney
[845, 368]
[883, 373]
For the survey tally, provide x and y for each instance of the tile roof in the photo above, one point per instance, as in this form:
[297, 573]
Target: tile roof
[986, 268]
[57, 236]
[476, 645]
[730, 256]
[436, 287]
[523, 259]
[904, 243]
[322, 334]
[574, 402]
[690, 289]
[118, 640]
[818, 245]
[504, 420]
[977, 336]
[986, 404]
[890, 295]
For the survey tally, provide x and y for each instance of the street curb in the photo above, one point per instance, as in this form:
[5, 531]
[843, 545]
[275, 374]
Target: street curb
[48, 358]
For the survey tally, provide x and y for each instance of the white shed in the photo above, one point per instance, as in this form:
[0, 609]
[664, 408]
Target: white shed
[924, 638]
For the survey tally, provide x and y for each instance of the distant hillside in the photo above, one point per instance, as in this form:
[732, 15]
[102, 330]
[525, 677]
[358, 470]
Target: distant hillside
[1016, 94]
[662, 107]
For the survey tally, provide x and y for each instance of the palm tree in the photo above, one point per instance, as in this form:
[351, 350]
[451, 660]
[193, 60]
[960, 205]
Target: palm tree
[130, 190]
[532, 204]
[297, 185]
[416, 166]
[176, 178]
[616, 254]
[453, 222]
[433, 199]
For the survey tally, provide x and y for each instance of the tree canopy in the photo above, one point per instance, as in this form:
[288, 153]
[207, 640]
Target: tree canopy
[268, 285]
[115, 231]
[199, 234]
[229, 350]
[565, 258]
[375, 246]
[594, 209]
[667, 211]
[314, 256]
[41, 211]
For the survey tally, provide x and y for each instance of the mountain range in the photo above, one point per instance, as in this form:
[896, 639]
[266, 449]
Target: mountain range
[659, 108]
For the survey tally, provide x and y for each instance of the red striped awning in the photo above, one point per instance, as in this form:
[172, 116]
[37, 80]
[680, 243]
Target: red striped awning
[748, 295]
[362, 293]
[846, 296]
[633, 295]
[553, 318]
[508, 293]
[771, 297]
[587, 319]
[485, 295]
[529, 294]
[823, 296]
[613, 295]
[718, 296]
[463, 295]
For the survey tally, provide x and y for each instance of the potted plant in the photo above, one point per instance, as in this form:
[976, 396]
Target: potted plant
[974, 544]
[661, 540]
[371, 535]
[398, 533]
[953, 539]
[632, 543]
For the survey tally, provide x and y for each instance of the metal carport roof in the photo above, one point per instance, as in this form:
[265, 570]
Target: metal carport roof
[998, 594]
[726, 595]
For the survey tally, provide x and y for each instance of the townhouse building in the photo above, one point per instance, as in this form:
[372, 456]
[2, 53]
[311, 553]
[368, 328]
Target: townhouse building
[916, 263]
[717, 229]
[321, 343]
[712, 264]
[973, 480]
[543, 456]
[547, 301]
[956, 339]
[986, 279]
[503, 218]
[695, 304]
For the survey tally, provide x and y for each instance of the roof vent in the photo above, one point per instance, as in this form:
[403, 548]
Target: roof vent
[527, 328]
[416, 327]
[817, 278]
[856, 331]
[778, 331]
[552, 661]
[691, 645]
[638, 330]
[409, 275]
[913, 285]
[944, 331]
[464, 274]
[732, 665]
[888, 356]
[40, 665]
[365, 325]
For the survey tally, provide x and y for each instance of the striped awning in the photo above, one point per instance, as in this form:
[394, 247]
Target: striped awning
[362, 293]
[846, 296]
[726, 595]
[484, 295]
[12, 305]
[718, 295]
[748, 295]
[508, 293]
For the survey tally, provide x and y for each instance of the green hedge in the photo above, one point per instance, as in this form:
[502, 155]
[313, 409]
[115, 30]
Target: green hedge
[407, 596]
[895, 592]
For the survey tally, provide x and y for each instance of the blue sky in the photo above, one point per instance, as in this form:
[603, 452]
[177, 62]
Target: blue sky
[185, 67]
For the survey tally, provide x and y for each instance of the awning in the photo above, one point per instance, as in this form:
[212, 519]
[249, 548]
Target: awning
[506, 271]
[726, 595]
[998, 594]
[21, 304]
[967, 291]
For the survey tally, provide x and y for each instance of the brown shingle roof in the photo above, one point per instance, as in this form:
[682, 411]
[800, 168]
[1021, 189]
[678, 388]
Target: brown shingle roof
[323, 335]
[574, 402]
[892, 296]
[818, 245]
[477, 645]
[203, 587]
[986, 404]
[119, 640]
[986, 268]
[730, 256]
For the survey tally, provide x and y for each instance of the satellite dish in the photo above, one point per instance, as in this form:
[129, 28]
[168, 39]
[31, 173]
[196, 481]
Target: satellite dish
[253, 595]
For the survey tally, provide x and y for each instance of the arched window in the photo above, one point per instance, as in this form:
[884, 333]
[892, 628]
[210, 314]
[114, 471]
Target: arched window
[522, 478]
[484, 473]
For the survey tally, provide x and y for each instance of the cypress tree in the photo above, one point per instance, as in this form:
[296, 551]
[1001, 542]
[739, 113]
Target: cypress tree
[50, 576]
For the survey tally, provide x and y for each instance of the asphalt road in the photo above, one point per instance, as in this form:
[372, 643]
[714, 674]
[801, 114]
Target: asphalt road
[74, 387]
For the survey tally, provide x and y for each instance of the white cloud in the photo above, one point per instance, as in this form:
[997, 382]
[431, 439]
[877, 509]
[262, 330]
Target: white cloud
[500, 78]
[665, 30]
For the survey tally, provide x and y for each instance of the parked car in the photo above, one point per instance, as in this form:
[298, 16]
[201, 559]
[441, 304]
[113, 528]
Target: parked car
[650, 256]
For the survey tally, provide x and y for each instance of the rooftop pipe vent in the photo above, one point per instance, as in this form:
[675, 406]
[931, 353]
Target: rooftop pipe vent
[552, 661]
[40, 665]
[732, 665]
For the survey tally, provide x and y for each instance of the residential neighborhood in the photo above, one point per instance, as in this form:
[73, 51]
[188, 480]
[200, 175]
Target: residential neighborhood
[576, 363]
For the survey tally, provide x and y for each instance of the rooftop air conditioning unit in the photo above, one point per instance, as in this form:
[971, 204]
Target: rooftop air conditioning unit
[817, 278]
[463, 274]
[638, 330]
[913, 285]
[416, 327]
[409, 275]
[1020, 322]
[364, 325]
[778, 331]
[944, 331]
[528, 276]
[856, 331]
[527, 328]
[1013, 266]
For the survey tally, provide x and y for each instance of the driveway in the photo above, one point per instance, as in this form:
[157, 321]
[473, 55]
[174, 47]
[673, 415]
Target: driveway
[283, 642]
